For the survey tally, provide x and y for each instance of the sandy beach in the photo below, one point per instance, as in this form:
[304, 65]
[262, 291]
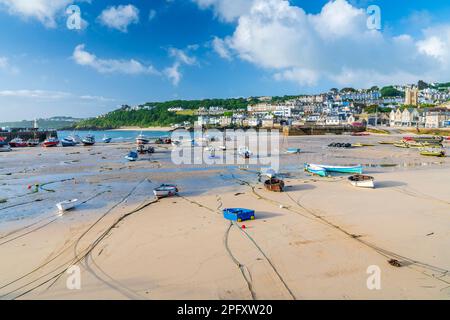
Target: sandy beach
[316, 240]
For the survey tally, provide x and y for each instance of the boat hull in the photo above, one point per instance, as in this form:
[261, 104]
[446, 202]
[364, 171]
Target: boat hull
[362, 181]
[66, 205]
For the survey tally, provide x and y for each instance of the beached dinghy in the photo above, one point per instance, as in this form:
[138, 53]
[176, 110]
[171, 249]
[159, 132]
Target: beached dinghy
[4, 146]
[68, 143]
[18, 143]
[268, 172]
[89, 140]
[106, 139]
[33, 142]
[142, 139]
[293, 150]
[132, 156]
[322, 170]
[433, 152]
[274, 184]
[362, 181]
[165, 190]
[50, 142]
[66, 205]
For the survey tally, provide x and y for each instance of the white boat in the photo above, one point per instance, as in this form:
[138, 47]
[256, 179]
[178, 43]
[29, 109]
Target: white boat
[142, 139]
[5, 148]
[223, 148]
[165, 190]
[66, 205]
[362, 181]
[244, 152]
[268, 172]
[293, 150]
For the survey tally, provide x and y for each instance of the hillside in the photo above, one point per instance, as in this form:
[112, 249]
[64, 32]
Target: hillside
[50, 123]
[154, 114]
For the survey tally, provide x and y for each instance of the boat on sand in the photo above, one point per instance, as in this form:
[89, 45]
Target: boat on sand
[132, 156]
[66, 205]
[322, 170]
[361, 181]
[165, 190]
[433, 152]
[274, 184]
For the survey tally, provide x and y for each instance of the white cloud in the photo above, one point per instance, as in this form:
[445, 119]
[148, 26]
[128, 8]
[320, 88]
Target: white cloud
[227, 10]
[34, 94]
[181, 57]
[119, 17]
[173, 73]
[332, 45]
[133, 67]
[6, 66]
[220, 47]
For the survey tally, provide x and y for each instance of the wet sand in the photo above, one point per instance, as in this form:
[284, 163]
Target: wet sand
[314, 241]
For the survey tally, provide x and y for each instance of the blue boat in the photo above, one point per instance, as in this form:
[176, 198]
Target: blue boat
[132, 156]
[68, 143]
[106, 139]
[238, 214]
[322, 170]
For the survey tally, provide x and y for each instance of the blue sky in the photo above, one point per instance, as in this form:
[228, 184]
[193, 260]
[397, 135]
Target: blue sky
[138, 51]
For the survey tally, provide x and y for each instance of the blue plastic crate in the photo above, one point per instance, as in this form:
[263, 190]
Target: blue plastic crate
[238, 214]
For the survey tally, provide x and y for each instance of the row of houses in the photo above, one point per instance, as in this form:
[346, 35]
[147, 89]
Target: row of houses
[426, 118]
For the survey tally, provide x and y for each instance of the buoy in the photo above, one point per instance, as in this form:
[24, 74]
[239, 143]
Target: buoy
[243, 226]
[29, 187]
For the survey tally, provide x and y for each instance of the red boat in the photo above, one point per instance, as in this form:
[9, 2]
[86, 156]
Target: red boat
[18, 143]
[51, 142]
[360, 134]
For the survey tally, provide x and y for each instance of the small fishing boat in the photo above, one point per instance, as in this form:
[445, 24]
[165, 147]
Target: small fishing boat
[50, 142]
[238, 214]
[360, 134]
[142, 139]
[401, 144]
[314, 169]
[68, 143]
[132, 156]
[66, 205]
[293, 150]
[106, 139]
[4, 146]
[274, 184]
[386, 142]
[361, 181]
[433, 152]
[89, 140]
[268, 172]
[322, 170]
[165, 190]
[33, 142]
[363, 145]
[222, 148]
[18, 143]
[75, 138]
[244, 152]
